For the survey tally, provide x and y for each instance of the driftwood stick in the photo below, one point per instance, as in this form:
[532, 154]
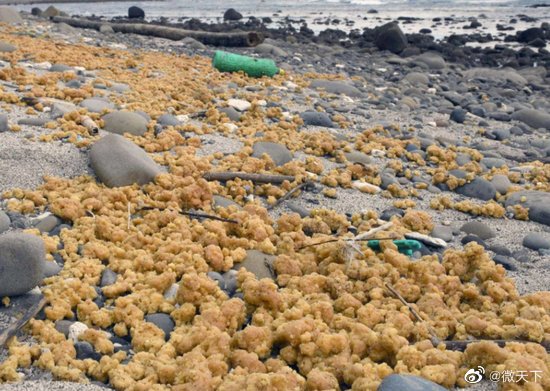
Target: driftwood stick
[288, 195]
[208, 38]
[89, 124]
[196, 215]
[370, 233]
[256, 178]
[14, 327]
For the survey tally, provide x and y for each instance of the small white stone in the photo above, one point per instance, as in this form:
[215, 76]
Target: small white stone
[43, 65]
[239, 104]
[262, 103]
[290, 85]
[366, 187]
[76, 329]
[431, 90]
[377, 153]
[426, 239]
[171, 292]
[183, 118]
[231, 127]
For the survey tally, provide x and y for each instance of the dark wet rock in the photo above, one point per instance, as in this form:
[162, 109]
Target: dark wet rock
[390, 37]
[479, 188]
[505, 261]
[135, 13]
[232, 14]
[21, 263]
[387, 214]
[536, 241]
[163, 322]
[501, 250]
[85, 350]
[230, 278]
[258, 263]
[530, 34]
[479, 229]
[537, 202]
[277, 152]
[458, 115]
[408, 383]
[316, 118]
[119, 162]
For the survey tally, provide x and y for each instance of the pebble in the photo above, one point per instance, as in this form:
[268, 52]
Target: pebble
[63, 326]
[505, 261]
[408, 383]
[224, 202]
[501, 183]
[6, 47]
[335, 87]
[4, 126]
[75, 331]
[108, 277]
[97, 105]
[442, 232]
[21, 262]
[121, 122]
[231, 113]
[239, 104]
[277, 152]
[4, 222]
[479, 188]
[230, 278]
[48, 223]
[537, 202]
[168, 120]
[163, 322]
[358, 157]
[479, 229]
[51, 269]
[117, 162]
[85, 350]
[536, 241]
[473, 238]
[316, 118]
[258, 263]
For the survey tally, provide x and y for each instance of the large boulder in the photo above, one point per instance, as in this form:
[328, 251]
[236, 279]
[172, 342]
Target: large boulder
[10, 15]
[530, 34]
[390, 37]
[51, 11]
[232, 14]
[121, 122]
[537, 202]
[135, 13]
[119, 162]
[534, 118]
[479, 188]
[21, 263]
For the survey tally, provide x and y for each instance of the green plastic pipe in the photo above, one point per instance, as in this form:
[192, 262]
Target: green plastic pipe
[255, 67]
[405, 246]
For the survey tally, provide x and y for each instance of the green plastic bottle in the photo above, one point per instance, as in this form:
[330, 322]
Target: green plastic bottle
[405, 246]
[255, 67]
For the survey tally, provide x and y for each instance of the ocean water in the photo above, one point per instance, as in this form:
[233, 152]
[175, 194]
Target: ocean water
[352, 14]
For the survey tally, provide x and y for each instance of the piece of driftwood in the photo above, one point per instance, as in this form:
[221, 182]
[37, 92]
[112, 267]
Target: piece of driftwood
[256, 178]
[237, 39]
[89, 124]
[22, 309]
[197, 215]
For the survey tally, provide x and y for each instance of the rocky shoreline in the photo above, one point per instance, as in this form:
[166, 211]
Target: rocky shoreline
[157, 277]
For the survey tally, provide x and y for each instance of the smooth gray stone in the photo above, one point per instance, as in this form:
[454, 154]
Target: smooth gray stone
[97, 105]
[536, 241]
[491, 162]
[432, 60]
[303, 212]
[408, 383]
[534, 118]
[6, 47]
[223, 202]
[163, 322]
[33, 121]
[63, 326]
[538, 203]
[60, 68]
[51, 269]
[501, 183]
[316, 118]
[479, 188]
[193, 43]
[358, 157]
[231, 113]
[479, 229]
[59, 109]
[108, 277]
[21, 263]
[106, 29]
[119, 162]
[4, 125]
[277, 152]
[335, 87]
[4, 222]
[258, 263]
[168, 120]
[47, 223]
[10, 15]
[442, 232]
[121, 122]
[417, 78]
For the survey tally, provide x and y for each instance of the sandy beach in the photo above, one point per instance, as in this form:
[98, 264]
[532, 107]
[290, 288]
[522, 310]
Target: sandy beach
[159, 275]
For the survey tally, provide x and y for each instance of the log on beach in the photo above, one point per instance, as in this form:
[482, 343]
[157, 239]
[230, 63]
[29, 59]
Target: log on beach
[208, 38]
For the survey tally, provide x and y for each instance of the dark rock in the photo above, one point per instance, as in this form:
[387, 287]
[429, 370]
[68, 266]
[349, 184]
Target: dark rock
[458, 115]
[530, 34]
[479, 188]
[85, 350]
[390, 37]
[36, 11]
[501, 250]
[232, 14]
[389, 213]
[108, 277]
[21, 263]
[163, 322]
[316, 118]
[135, 13]
[473, 238]
[507, 262]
